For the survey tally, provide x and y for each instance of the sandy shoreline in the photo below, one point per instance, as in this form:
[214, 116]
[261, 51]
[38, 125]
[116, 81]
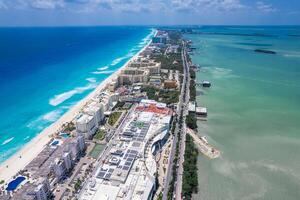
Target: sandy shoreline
[15, 163]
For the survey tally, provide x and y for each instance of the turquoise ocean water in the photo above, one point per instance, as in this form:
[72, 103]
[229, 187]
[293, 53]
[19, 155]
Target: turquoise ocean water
[45, 71]
[253, 112]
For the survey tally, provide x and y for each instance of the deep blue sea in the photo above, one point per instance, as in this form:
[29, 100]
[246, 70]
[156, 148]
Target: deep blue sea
[45, 71]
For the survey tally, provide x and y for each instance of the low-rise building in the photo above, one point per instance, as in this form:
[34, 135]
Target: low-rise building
[170, 84]
[128, 170]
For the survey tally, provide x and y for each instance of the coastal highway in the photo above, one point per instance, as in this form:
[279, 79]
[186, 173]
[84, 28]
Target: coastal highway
[181, 110]
[186, 97]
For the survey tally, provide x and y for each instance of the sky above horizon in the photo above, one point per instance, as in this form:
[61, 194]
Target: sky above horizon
[148, 12]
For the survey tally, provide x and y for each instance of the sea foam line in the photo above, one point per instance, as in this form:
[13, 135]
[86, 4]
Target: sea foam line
[103, 68]
[7, 141]
[92, 80]
[103, 72]
[117, 60]
[52, 116]
[60, 98]
[43, 121]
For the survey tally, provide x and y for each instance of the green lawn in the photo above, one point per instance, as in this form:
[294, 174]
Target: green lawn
[113, 118]
[98, 148]
[100, 135]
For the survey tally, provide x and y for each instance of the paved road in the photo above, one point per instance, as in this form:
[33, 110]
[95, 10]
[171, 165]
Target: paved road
[181, 108]
[180, 169]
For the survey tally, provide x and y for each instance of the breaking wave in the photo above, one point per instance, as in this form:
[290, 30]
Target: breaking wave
[60, 98]
[7, 141]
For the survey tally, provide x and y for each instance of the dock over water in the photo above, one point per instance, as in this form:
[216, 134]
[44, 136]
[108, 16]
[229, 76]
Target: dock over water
[203, 146]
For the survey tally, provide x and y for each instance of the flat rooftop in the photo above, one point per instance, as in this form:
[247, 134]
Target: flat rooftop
[124, 172]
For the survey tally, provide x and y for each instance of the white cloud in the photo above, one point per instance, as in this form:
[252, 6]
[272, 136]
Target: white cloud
[208, 5]
[266, 8]
[135, 6]
[44, 4]
[3, 5]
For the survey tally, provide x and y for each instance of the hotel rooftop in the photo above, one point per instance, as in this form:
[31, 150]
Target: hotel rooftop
[127, 170]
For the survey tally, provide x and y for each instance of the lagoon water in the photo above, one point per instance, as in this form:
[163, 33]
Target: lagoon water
[253, 112]
[45, 71]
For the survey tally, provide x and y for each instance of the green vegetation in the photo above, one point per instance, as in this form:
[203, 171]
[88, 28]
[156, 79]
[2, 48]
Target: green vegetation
[165, 96]
[151, 92]
[160, 196]
[175, 37]
[69, 127]
[190, 176]
[119, 105]
[191, 121]
[193, 86]
[171, 61]
[174, 167]
[192, 74]
[169, 96]
[139, 124]
[100, 135]
[2, 182]
[113, 118]
[77, 185]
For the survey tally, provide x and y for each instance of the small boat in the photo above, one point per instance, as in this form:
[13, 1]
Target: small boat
[206, 84]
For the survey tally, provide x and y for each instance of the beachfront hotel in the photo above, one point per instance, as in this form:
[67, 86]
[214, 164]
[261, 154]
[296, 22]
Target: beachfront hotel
[51, 165]
[139, 71]
[127, 170]
[92, 115]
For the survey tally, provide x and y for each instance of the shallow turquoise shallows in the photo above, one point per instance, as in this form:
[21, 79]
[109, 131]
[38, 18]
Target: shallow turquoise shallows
[253, 112]
[45, 71]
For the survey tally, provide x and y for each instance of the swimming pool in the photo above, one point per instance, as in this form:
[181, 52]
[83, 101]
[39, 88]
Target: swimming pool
[55, 143]
[15, 183]
[64, 135]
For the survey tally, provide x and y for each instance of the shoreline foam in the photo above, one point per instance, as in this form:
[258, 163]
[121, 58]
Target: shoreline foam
[29, 151]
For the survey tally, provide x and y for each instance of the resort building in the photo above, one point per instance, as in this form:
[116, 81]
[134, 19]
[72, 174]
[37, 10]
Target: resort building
[131, 75]
[59, 168]
[86, 125]
[96, 110]
[40, 190]
[146, 64]
[81, 143]
[172, 81]
[112, 85]
[107, 99]
[49, 167]
[68, 161]
[43, 191]
[128, 170]
[161, 39]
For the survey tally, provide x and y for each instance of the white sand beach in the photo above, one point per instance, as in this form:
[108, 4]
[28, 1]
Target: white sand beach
[19, 160]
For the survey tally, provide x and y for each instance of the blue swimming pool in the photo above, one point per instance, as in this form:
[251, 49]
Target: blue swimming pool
[15, 183]
[64, 135]
[55, 143]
